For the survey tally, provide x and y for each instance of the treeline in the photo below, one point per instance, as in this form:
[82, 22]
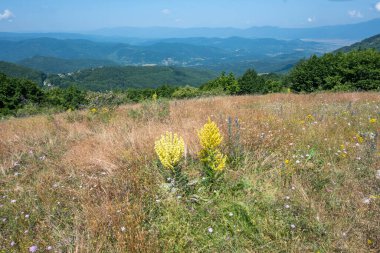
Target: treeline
[353, 71]
[21, 97]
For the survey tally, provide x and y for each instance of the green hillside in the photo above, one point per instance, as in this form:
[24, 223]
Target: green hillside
[108, 78]
[372, 42]
[14, 70]
[55, 65]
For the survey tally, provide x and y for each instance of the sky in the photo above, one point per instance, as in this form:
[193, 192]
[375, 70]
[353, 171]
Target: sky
[88, 15]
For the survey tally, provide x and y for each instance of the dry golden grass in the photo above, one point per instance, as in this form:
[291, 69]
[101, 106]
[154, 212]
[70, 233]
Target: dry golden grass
[83, 181]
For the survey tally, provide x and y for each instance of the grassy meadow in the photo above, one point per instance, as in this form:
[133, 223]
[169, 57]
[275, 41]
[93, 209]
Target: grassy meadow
[302, 175]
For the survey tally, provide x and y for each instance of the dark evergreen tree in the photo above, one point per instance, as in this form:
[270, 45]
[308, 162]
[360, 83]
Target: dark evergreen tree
[251, 83]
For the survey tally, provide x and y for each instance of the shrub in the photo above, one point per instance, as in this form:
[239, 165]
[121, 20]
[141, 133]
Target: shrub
[186, 92]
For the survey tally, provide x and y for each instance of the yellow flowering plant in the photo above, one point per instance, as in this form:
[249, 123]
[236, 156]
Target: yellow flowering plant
[212, 158]
[170, 149]
[209, 136]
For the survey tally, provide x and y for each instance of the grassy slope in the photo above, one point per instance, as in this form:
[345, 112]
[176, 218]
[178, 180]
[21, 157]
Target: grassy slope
[83, 177]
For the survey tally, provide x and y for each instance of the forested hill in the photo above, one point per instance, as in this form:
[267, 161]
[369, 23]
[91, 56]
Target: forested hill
[372, 42]
[53, 65]
[17, 71]
[109, 78]
[113, 77]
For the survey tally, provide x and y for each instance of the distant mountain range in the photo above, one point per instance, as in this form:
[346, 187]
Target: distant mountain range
[219, 54]
[138, 35]
[266, 49]
[342, 32]
[372, 42]
[103, 74]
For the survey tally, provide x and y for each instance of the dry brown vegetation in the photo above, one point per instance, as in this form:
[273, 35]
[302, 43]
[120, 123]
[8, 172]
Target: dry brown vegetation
[92, 184]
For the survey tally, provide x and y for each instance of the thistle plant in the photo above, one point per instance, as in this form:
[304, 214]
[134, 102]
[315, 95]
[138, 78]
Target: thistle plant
[170, 149]
[212, 158]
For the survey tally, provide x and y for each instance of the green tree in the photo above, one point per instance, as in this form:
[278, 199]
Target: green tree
[69, 98]
[355, 70]
[225, 83]
[251, 83]
[16, 93]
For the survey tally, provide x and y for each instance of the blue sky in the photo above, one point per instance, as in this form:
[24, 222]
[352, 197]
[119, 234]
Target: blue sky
[86, 15]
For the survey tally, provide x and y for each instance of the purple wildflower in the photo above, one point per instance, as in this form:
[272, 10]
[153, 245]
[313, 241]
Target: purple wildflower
[33, 249]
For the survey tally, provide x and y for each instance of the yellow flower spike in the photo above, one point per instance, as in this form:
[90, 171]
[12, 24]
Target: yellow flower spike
[210, 136]
[287, 161]
[210, 139]
[372, 120]
[170, 149]
[219, 161]
[154, 97]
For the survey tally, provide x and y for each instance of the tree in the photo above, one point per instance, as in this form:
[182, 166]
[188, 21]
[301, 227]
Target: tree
[356, 70]
[225, 83]
[251, 83]
[15, 93]
[69, 98]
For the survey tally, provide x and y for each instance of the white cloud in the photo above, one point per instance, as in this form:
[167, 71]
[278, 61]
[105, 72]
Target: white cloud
[166, 11]
[355, 14]
[311, 19]
[7, 14]
[377, 6]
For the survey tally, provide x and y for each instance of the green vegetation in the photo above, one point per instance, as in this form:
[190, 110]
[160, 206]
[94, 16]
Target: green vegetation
[20, 97]
[226, 84]
[52, 65]
[14, 70]
[16, 93]
[356, 70]
[111, 78]
[353, 71]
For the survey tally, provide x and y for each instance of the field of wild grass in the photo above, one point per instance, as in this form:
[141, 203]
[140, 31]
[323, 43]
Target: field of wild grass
[302, 175]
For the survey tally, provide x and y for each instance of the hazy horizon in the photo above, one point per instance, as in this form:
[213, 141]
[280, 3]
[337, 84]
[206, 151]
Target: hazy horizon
[86, 15]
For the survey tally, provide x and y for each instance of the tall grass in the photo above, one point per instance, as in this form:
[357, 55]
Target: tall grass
[301, 177]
